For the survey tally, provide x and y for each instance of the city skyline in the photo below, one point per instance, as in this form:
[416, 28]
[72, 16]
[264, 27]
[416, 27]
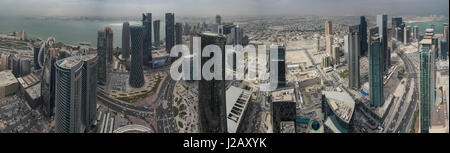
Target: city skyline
[108, 8]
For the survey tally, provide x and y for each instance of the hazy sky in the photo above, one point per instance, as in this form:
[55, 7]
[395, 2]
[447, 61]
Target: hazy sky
[223, 7]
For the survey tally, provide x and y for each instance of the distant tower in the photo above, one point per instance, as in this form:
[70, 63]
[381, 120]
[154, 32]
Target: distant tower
[218, 19]
[102, 58]
[36, 49]
[89, 90]
[352, 47]
[178, 33]
[136, 79]
[317, 43]
[396, 22]
[336, 49]
[406, 35]
[415, 33]
[109, 44]
[281, 61]
[170, 31]
[446, 37]
[375, 69]
[156, 28]
[147, 46]
[363, 36]
[382, 31]
[329, 36]
[212, 97]
[237, 35]
[427, 79]
[68, 95]
[126, 40]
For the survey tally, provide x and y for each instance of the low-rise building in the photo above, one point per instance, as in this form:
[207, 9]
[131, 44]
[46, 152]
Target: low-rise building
[9, 84]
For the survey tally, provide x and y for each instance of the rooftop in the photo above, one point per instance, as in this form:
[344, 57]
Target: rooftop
[34, 91]
[69, 62]
[237, 100]
[88, 57]
[283, 95]
[287, 127]
[7, 78]
[341, 103]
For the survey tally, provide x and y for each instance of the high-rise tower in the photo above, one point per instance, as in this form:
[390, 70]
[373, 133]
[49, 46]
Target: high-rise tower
[102, 57]
[109, 44]
[363, 36]
[68, 95]
[376, 69]
[212, 93]
[170, 31]
[136, 79]
[147, 46]
[126, 40]
[352, 46]
[89, 89]
[382, 31]
[427, 80]
[156, 28]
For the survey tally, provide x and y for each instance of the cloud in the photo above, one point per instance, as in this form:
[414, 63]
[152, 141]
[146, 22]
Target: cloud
[224, 7]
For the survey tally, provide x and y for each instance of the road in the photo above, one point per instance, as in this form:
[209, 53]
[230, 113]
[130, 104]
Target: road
[405, 119]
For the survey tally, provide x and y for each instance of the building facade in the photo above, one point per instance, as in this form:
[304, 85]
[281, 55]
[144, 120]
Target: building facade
[126, 40]
[102, 58]
[68, 95]
[89, 90]
[147, 44]
[376, 69]
[170, 31]
[212, 93]
[136, 79]
[352, 47]
[156, 35]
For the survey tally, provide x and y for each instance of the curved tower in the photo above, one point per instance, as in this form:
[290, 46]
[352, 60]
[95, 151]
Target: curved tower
[68, 95]
[136, 72]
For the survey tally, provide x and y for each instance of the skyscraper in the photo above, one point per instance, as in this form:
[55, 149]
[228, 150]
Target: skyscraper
[382, 31]
[329, 36]
[147, 44]
[178, 33]
[109, 44]
[126, 40]
[170, 31]
[49, 56]
[136, 79]
[446, 36]
[281, 61]
[156, 25]
[352, 46]
[426, 49]
[212, 97]
[363, 35]
[376, 69]
[396, 22]
[415, 33]
[36, 49]
[102, 55]
[218, 19]
[89, 89]
[406, 35]
[68, 95]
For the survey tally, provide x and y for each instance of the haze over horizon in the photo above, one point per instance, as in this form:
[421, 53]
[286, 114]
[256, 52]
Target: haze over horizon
[120, 8]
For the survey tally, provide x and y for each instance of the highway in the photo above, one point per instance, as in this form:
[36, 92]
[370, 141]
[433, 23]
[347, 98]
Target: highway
[405, 119]
[122, 107]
